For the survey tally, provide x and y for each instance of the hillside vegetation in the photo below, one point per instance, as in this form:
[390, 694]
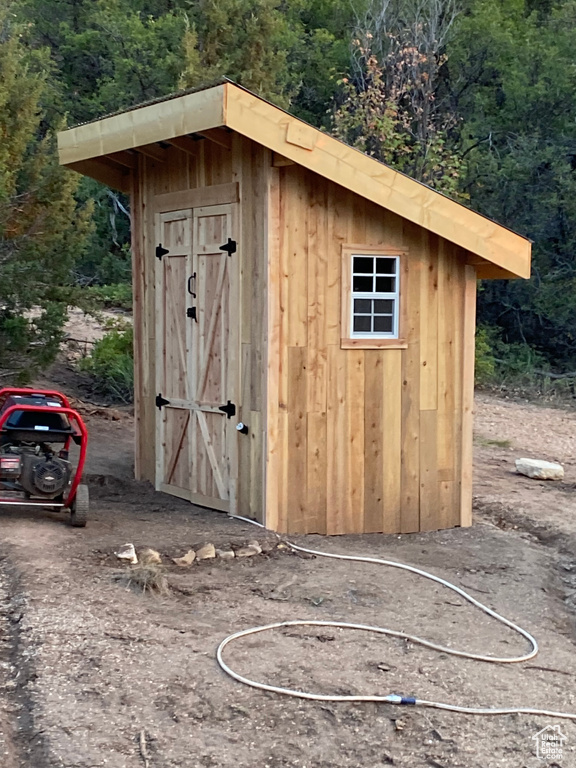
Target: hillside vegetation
[474, 97]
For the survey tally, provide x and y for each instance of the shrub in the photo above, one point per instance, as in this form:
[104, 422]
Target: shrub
[145, 578]
[114, 296]
[485, 363]
[111, 365]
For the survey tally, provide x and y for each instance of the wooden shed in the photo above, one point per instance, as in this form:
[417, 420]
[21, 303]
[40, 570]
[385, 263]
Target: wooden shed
[304, 316]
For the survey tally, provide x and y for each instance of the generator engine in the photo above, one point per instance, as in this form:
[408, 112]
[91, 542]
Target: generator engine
[33, 469]
[37, 430]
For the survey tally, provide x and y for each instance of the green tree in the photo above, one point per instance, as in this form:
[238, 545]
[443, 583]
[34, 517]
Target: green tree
[387, 111]
[512, 76]
[41, 229]
[108, 55]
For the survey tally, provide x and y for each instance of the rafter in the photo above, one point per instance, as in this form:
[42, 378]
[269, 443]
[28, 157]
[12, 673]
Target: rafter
[219, 136]
[184, 143]
[153, 151]
[125, 158]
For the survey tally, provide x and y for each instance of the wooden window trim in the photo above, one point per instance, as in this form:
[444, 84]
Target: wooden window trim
[349, 250]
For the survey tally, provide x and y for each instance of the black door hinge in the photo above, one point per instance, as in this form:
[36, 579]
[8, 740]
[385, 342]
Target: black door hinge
[229, 247]
[160, 401]
[161, 251]
[191, 312]
[229, 409]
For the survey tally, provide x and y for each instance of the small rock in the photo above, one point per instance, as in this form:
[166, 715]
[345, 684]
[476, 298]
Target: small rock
[254, 543]
[248, 551]
[127, 552]
[149, 556]
[186, 559]
[539, 470]
[225, 554]
[267, 546]
[207, 552]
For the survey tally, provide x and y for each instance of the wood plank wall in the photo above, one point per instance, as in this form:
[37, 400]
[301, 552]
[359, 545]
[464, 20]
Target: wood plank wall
[361, 440]
[205, 165]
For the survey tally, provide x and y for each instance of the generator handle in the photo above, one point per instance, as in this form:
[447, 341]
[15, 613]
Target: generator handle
[73, 416]
[8, 391]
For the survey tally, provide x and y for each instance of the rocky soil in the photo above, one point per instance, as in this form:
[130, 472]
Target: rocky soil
[96, 673]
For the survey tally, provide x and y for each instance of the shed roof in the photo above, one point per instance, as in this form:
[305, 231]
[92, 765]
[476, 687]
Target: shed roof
[103, 149]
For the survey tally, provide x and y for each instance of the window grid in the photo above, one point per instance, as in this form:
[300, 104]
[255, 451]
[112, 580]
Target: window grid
[374, 296]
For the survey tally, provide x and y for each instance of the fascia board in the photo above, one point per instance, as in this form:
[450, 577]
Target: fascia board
[156, 122]
[271, 127]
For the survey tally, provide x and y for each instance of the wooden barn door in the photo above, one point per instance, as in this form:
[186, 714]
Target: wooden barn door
[173, 342]
[197, 356]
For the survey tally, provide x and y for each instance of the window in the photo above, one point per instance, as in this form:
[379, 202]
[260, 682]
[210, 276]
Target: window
[375, 296]
[371, 283]
[371, 301]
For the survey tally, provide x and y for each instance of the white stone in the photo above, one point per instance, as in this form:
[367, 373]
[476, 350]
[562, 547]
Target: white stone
[186, 559]
[248, 551]
[225, 554]
[539, 470]
[207, 552]
[127, 552]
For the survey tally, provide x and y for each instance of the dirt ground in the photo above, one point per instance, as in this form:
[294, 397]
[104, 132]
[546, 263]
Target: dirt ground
[94, 674]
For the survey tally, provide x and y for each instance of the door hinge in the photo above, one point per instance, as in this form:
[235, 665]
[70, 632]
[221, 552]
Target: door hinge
[160, 401]
[161, 251]
[191, 312]
[229, 247]
[229, 409]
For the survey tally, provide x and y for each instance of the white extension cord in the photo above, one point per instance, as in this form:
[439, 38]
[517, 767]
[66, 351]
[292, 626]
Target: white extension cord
[391, 698]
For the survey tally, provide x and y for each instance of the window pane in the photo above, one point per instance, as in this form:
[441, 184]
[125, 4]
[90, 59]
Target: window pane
[364, 264]
[362, 323]
[363, 306]
[383, 306]
[364, 284]
[385, 284]
[383, 324]
[386, 266]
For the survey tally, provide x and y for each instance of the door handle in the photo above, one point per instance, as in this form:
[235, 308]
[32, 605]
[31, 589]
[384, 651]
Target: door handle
[190, 291]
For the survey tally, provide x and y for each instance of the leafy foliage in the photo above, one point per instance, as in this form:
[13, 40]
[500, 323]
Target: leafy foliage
[474, 97]
[115, 296]
[511, 76]
[106, 259]
[42, 231]
[485, 365]
[387, 115]
[111, 365]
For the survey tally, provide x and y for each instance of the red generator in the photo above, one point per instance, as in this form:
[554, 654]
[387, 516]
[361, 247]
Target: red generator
[37, 430]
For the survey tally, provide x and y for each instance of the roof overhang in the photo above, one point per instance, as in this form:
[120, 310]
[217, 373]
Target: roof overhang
[103, 150]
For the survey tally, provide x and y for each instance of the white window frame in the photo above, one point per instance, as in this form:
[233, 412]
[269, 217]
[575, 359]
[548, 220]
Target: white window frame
[375, 295]
[373, 339]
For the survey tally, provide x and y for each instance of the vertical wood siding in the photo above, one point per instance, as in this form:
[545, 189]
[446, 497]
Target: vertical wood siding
[206, 165]
[341, 440]
[363, 440]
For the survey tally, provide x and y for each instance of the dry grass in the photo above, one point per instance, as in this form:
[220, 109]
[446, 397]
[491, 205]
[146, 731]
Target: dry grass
[144, 578]
[488, 442]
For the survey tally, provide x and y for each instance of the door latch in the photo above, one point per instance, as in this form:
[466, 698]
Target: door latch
[191, 312]
[229, 409]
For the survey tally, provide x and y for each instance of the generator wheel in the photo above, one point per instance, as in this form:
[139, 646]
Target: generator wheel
[79, 508]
